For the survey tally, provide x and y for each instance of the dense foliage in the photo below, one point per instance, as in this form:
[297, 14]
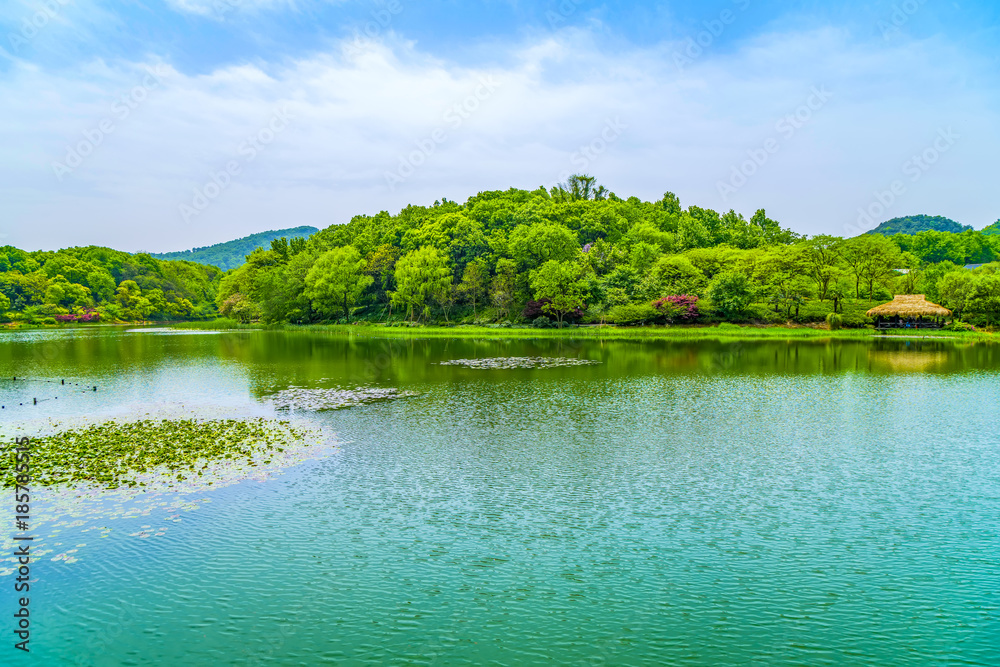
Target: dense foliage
[580, 253]
[232, 254]
[914, 224]
[99, 284]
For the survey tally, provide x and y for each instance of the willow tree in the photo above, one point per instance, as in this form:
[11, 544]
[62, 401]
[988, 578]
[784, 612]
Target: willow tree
[337, 280]
[421, 275]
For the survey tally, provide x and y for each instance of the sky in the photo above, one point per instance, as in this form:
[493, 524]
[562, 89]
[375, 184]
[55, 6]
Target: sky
[160, 125]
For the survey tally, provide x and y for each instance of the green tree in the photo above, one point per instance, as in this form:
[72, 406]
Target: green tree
[821, 262]
[731, 293]
[474, 283]
[561, 284]
[502, 288]
[881, 261]
[420, 275]
[955, 289]
[65, 294]
[240, 308]
[579, 187]
[675, 274]
[337, 280]
[984, 300]
[533, 245]
[872, 260]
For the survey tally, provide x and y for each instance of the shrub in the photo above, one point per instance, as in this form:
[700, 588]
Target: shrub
[535, 309]
[731, 293]
[855, 320]
[541, 322]
[960, 326]
[679, 307]
[89, 316]
[762, 314]
[632, 314]
[835, 321]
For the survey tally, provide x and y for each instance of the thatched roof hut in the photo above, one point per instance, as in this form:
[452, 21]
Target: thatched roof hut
[909, 305]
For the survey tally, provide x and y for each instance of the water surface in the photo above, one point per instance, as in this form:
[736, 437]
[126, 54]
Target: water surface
[766, 502]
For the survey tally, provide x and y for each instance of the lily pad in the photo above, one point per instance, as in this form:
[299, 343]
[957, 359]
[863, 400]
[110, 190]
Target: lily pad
[507, 363]
[301, 398]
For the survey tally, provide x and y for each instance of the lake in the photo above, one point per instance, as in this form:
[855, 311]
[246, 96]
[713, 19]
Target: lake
[696, 502]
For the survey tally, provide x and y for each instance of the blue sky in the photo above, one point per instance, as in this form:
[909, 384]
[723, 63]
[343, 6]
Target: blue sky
[163, 124]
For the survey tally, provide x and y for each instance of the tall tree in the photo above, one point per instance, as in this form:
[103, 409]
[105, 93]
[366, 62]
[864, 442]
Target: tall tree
[502, 288]
[337, 280]
[822, 261]
[420, 275]
[561, 285]
[474, 283]
[881, 260]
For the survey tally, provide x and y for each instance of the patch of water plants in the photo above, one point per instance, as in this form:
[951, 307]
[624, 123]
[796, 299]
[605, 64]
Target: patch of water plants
[114, 454]
[506, 363]
[301, 398]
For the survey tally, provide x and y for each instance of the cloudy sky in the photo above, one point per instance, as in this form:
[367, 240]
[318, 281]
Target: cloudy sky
[164, 124]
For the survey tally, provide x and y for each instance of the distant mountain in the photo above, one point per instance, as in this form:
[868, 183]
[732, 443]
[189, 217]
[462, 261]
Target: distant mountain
[232, 254]
[992, 230]
[914, 224]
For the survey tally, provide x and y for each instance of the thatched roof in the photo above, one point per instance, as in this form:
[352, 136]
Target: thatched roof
[909, 305]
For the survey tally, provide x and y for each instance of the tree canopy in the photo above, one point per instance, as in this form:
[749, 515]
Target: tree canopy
[93, 283]
[576, 252]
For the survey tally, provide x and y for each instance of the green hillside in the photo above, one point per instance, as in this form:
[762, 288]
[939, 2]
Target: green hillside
[95, 284]
[232, 254]
[993, 230]
[914, 224]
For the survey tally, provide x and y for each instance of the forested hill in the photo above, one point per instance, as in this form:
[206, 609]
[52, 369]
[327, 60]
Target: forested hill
[95, 284]
[914, 224]
[578, 252]
[232, 254]
[992, 230]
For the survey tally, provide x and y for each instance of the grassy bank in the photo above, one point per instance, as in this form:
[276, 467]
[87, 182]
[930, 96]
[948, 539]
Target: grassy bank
[635, 333]
[607, 332]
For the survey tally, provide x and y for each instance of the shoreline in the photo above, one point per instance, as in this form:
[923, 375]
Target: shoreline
[589, 332]
[610, 332]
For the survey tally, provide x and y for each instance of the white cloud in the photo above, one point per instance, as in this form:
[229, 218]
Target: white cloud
[358, 111]
[219, 8]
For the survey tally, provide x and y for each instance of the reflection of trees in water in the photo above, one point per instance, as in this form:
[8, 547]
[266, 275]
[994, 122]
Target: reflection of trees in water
[402, 362]
[273, 360]
[91, 353]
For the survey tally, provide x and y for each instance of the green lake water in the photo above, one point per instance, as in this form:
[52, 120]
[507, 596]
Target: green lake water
[772, 503]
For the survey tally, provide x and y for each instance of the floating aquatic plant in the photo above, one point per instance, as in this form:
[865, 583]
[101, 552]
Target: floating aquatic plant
[506, 363]
[117, 454]
[332, 399]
